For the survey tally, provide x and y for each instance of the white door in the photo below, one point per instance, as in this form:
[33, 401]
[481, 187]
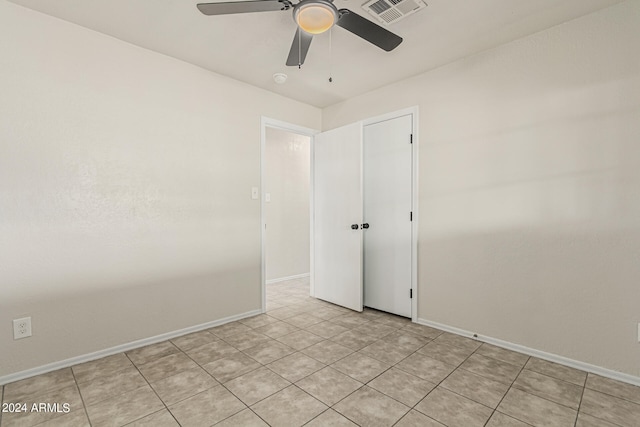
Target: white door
[387, 211]
[337, 208]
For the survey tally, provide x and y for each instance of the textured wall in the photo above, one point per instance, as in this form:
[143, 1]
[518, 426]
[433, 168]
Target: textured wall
[529, 188]
[125, 190]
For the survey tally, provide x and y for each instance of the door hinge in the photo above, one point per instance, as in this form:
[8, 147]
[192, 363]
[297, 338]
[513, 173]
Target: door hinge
[411, 139]
[411, 216]
[411, 293]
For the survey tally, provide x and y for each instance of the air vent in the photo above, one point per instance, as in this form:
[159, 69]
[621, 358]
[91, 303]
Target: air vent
[391, 11]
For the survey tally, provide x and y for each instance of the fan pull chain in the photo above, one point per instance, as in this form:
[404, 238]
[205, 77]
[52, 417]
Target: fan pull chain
[299, 49]
[330, 56]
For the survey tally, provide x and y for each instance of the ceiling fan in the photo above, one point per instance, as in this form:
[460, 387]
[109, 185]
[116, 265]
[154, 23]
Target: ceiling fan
[313, 17]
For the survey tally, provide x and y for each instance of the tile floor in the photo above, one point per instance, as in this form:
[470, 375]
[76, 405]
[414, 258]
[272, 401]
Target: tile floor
[307, 362]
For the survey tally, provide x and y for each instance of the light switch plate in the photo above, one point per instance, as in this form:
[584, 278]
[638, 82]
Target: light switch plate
[254, 193]
[267, 197]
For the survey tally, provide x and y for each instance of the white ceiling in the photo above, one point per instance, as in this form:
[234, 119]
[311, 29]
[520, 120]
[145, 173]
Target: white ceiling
[252, 47]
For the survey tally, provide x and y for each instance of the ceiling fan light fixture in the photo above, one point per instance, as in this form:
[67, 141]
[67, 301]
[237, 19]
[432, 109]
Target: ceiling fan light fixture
[315, 16]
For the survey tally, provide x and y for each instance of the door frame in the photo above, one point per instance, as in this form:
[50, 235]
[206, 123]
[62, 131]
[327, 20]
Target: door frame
[413, 112]
[266, 122]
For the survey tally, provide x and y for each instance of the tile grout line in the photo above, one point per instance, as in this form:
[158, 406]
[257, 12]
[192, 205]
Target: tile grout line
[84, 405]
[507, 392]
[152, 389]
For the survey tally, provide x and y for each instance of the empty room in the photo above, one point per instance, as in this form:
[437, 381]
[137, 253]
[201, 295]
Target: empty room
[320, 213]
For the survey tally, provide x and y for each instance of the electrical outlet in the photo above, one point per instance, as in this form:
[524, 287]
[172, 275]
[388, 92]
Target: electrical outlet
[22, 328]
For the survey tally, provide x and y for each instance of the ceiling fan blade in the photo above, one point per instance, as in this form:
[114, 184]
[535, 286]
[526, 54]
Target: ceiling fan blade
[241, 7]
[299, 48]
[373, 33]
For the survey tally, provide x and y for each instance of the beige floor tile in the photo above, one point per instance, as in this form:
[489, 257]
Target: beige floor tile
[185, 384]
[349, 320]
[558, 391]
[360, 367]
[403, 387]
[554, 370]
[375, 329]
[416, 419]
[327, 352]
[72, 419]
[368, 407]
[330, 418]
[491, 368]
[535, 410]
[105, 387]
[446, 353]
[327, 313]
[385, 352]
[421, 330]
[228, 329]
[196, 339]
[296, 366]
[426, 367]
[284, 313]
[453, 410]
[501, 420]
[277, 329]
[405, 341]
[393, 320]
[212, 351]
[300, 339]
[166, 366]
[206, 408]
[458, 341]
[245, 418]
[268, 351]
[502, 354]
[303, 320]
[328, 385]
[585, 420]
[161, 418]
[256, 385]
[609, 408]
[272, 306]
[231, 367]
[326, 329]
[124, 408]
[69, 395]
[258, 321]
[289, 407]
[246, 340]
[17, 391]
[105, 366]
[353, 340]
[614, 388]
[479, 389]
[152, 352]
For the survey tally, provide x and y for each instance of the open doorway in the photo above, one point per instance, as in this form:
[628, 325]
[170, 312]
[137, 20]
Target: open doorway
[285, 208]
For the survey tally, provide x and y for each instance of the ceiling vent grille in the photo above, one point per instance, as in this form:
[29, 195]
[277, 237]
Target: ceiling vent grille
[391, 11]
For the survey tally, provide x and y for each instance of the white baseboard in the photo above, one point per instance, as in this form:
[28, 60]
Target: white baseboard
[608, 373]
[121, 348]
[282, 279]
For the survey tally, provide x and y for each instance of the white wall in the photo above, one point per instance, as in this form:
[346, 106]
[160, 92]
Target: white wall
[287, 214]
[125, 201]
[530, 188]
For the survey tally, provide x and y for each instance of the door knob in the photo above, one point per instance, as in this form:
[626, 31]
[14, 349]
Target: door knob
[365, 225]
[354, 226]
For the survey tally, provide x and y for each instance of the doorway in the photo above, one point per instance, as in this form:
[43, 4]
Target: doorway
[285, 203]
